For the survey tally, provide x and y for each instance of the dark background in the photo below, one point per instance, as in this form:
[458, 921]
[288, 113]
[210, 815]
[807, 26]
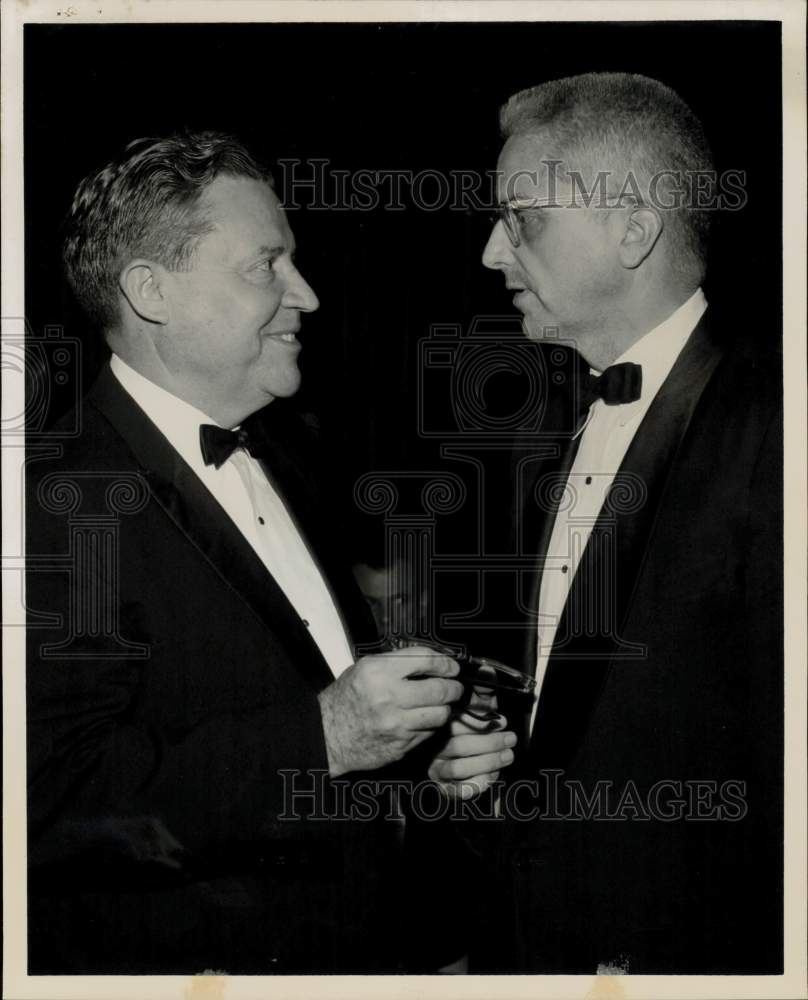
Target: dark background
[407, 96]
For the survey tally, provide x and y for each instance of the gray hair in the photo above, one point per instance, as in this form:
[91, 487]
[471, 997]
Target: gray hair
[625, 123]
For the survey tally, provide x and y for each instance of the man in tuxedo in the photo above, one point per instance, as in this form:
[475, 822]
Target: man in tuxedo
[197, 716]
[643, 816]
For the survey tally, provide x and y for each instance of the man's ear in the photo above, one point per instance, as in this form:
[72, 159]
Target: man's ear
[644, 228]
[141, 283]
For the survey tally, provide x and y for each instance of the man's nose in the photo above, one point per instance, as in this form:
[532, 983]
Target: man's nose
[498, 251]
[299, 294]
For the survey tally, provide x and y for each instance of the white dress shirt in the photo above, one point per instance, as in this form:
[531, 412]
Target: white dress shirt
[605, 439]
[247, 496]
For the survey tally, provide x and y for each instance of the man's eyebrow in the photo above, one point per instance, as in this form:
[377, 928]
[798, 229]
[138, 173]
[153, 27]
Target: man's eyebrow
[521, 203]
[267, 251]
[263, 251]
[276, 251]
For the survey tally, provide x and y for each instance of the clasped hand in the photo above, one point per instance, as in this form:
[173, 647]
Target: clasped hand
[382, 707]
[475, 751]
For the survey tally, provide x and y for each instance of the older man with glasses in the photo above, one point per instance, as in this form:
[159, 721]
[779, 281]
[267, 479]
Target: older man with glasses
[651, 504]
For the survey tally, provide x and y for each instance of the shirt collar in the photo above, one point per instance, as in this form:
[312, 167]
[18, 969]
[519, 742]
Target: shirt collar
[658, 350]
[177, 420]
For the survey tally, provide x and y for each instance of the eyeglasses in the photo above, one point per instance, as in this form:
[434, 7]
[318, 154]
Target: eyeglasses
[477, 671]
[510, 213]
[481, 678]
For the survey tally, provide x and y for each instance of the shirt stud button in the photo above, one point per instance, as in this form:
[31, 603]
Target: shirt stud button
[260, 520]
[588, 480]
[306, 622]
[564, 569]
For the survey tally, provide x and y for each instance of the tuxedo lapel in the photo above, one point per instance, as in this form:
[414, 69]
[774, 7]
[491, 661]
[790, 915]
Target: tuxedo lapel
[589, 638]
[287, 460]
[541, 463]
[194, 510]
[635, 497]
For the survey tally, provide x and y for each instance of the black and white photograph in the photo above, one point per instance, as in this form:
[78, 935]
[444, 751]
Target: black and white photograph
[404, 541]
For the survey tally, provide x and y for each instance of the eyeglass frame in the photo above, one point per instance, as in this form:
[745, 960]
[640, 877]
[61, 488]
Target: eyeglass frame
[506, 212]
[475, 671]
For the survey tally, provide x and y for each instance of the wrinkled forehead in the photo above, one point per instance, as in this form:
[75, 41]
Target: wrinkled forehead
[246, 211]
[530, 166]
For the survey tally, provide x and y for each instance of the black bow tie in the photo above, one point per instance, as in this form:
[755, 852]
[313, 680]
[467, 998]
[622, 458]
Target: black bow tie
[218, 444]
[618, 384]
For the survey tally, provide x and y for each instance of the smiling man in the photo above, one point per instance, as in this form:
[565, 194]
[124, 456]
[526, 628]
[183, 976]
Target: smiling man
[651, 503]
[225, 328]
[192, 686]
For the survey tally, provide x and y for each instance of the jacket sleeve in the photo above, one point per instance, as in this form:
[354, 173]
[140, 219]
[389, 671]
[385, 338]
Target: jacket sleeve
[127, 759]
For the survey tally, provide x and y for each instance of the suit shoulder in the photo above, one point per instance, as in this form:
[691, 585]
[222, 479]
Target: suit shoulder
[67, 471]
[748, 381]
[86, 440]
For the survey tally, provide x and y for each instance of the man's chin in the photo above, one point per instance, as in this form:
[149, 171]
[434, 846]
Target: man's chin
[284, 388]
[539, 324]
[534, 329]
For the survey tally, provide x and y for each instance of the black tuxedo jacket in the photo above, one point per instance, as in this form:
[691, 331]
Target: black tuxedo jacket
[656, 757]
[169, 683]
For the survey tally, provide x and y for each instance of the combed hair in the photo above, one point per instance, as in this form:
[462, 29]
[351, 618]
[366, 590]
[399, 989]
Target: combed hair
[145, 204]
[623, 122]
